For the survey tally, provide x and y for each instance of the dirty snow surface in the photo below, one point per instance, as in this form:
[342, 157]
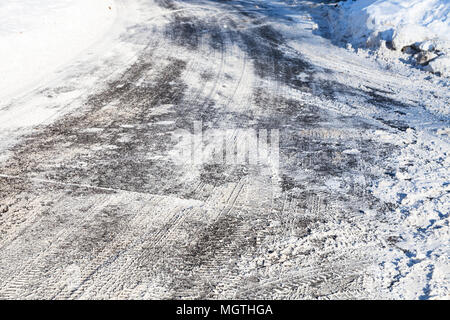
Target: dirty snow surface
[99, 196]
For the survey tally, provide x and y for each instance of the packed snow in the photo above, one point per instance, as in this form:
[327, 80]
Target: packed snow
[38, 36]
[419, 29]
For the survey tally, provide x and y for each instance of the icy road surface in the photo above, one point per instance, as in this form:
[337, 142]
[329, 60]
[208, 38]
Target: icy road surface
[94, 204]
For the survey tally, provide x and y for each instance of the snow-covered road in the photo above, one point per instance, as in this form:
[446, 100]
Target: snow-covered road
[352, 201]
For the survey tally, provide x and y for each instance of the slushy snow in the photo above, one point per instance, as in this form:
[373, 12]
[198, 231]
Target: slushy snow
[419, 28]
[38, 36]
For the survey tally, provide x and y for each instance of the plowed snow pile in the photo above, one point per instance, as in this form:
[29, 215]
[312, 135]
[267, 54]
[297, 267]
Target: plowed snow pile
[418, 28]
[38, 36]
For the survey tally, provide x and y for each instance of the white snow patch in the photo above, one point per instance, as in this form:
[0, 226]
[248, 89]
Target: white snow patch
[351, 151]
[38, 36]
[439, 65]
[421, 188]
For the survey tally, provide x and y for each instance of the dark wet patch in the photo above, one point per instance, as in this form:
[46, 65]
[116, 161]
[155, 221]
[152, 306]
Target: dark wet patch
[184, 31]
[377, 97]
[269, 59]
[381, 100]
[396, 124]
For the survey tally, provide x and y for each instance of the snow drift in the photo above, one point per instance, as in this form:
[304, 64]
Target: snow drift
[420, 28]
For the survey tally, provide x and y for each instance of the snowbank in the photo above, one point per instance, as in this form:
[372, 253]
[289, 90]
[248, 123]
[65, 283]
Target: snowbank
[38, 36]
[419, 28]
